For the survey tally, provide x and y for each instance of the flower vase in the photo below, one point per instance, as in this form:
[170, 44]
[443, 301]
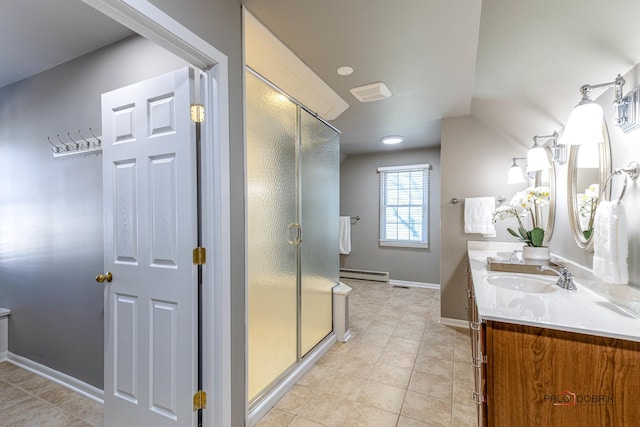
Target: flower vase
[536, 254]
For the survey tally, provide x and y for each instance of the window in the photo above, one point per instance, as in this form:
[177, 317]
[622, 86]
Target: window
[404, 209]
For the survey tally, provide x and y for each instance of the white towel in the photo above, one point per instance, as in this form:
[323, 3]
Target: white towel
[478, 216]
[610, 243]
[345, 235]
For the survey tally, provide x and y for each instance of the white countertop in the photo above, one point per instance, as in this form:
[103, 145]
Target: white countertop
[4, 312]
[582, 310]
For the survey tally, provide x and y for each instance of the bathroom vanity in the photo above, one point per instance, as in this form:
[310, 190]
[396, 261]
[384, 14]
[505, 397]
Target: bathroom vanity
[546, 356]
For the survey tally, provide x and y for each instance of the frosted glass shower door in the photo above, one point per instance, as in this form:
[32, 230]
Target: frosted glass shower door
[271, 211]
[320, 198]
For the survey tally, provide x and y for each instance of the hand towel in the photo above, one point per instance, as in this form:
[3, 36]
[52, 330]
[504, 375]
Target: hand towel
[478, 216]
[345, 235]
[610, 243]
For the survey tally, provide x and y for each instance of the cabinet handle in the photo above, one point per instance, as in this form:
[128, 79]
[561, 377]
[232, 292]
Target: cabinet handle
[477, 362]
[475, 326]
[478, 398]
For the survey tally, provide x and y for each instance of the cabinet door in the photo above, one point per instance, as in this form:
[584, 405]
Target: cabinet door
[552, 378]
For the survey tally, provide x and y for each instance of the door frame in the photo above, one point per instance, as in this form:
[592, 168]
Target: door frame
[147, 20]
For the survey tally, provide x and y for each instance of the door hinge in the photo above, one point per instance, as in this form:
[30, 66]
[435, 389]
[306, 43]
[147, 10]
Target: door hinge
[200, 400]
[197, 113]
[199, 256]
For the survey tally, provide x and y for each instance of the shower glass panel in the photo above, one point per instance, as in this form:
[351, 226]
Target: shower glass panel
[319, 169]
[293, 163]
[271, 210]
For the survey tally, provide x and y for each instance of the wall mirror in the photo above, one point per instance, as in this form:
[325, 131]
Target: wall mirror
[589, 167]
[547, 178]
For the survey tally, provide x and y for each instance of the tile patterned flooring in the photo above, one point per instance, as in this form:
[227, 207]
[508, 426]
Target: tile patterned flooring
[26, 399]
[401, 368]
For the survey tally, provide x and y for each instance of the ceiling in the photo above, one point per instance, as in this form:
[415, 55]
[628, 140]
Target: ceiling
[516, 66]
[36, 35]
[423, 50]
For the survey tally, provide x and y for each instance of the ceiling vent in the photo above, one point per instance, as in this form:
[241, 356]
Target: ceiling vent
[372, 92]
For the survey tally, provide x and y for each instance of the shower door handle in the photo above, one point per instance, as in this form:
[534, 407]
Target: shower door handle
[297, 239]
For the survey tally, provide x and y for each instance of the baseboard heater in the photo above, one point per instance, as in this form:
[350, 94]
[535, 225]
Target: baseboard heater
[376, 276]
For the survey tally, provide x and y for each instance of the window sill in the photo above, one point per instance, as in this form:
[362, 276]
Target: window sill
[400, 244]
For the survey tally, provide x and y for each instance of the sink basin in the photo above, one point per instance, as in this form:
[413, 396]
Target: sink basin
[518, 282]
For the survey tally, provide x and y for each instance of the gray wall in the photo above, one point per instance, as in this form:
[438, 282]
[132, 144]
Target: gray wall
[51, 244]
[359, 184]
[475, 162]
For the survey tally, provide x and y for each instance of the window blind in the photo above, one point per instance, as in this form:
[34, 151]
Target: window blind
[404, 207]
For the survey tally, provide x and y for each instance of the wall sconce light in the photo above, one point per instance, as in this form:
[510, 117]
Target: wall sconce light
[537, 158]
[515, 172]
[584, 125]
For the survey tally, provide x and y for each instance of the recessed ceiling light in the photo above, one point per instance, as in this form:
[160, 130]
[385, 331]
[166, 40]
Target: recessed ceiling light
[392, 139]
[345, 71]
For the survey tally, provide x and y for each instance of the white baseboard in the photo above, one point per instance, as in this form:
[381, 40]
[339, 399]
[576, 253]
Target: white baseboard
[64, 380]
[293, 377]
[454, 322]
[414, 284]
[3, 356]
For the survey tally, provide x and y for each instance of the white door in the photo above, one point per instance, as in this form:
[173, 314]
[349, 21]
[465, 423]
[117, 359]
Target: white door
[150, 226]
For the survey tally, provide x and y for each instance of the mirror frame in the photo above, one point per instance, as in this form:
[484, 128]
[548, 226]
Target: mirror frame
[572, 191]
[551, 216]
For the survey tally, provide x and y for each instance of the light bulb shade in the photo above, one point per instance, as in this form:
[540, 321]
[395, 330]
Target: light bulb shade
[515, 175]
[589, 156]
[584, 125]
[537, 159]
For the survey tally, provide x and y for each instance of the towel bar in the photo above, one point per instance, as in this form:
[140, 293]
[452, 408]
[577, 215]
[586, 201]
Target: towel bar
[455, 200]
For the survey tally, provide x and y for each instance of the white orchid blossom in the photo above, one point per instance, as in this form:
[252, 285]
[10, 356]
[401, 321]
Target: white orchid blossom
[527, 203]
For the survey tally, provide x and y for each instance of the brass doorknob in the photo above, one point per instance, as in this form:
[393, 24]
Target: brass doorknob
[100, 278]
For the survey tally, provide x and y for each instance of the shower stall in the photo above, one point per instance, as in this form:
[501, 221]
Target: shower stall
[292, 165]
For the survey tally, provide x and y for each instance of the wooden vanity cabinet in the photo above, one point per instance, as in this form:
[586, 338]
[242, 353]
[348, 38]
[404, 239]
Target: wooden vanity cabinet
[545, 377]
[533, 376]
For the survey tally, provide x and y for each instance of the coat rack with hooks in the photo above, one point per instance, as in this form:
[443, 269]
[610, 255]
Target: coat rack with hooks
[70, 145]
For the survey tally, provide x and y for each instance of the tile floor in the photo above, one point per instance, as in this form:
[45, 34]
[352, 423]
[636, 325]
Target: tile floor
[29, 400]
[401, 368]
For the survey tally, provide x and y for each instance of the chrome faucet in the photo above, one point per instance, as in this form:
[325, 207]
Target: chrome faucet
[566, 277]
